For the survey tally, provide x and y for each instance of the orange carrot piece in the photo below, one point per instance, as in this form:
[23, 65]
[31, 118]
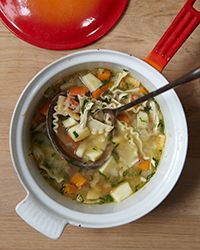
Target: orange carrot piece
[78, 180]
[70, 189]
[96, 94]
[123, 117]
[78, 90]
[44, 108]
[143, 90]
[144, 165]
[104, 74]
[74, 102]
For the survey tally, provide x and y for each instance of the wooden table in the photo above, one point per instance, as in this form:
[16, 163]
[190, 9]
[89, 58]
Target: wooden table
[175, 224]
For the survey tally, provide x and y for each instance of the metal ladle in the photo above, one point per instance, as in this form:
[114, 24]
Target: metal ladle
[76, 161]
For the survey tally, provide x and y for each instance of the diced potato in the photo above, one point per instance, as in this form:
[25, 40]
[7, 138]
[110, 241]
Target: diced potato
[91, 82]
[109, 167]
[69, 122]
[130, 80]
[93, 154]
[81, 150]
[121, 192]
[77, 133]
[142, 120]
[93, 194]
[160, 140]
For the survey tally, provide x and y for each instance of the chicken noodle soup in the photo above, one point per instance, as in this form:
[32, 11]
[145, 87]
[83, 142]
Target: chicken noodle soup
[138, 136]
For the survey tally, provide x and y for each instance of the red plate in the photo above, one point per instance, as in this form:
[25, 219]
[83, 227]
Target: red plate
[61, 24]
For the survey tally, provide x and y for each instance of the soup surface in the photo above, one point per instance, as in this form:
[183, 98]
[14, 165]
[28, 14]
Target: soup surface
[138, 136]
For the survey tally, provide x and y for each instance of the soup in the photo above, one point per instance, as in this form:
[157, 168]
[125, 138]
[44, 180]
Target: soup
[138, 136]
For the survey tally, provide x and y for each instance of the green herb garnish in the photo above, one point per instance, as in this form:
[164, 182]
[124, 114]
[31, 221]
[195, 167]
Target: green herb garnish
[125, 70]
[150, 175]
[105, 82]
[142, 120]
[62, 189]
[83, 106]
[147, 109]
[106, 177]
[156, 161]
[75, 134]
[117, 183]
[161, 125]
[106, 199]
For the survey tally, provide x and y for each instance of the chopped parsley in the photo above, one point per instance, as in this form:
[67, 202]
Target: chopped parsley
[150, 175]
[83, 106]
[125, 97]
[94, 149]
[106, 199]
[105, 82]
[142, 120]
[161, 125]
[117, 183]
[62, 189]
[156, 161]
[147, 109]
[76, 135]
[137, 187]
[125, 70]
[106, 177]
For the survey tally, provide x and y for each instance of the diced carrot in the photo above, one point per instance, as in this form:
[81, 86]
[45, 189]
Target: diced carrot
[144, 165]
[78, 90]
[74, 102]
[123, 117]
[44, 108]
[70, 189]
[78, 180]
[104, 74]
[96, 94]
[143, 90]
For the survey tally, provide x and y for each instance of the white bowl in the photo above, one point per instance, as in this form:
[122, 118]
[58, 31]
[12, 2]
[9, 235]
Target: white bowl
[48, 211]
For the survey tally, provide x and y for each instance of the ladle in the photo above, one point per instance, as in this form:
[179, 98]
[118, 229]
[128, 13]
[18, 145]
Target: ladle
[72, 158]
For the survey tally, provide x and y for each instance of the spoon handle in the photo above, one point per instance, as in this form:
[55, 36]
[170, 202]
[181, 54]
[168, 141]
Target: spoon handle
[194, 74]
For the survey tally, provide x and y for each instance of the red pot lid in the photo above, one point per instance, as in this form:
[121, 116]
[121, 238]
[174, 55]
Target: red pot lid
[61, 24]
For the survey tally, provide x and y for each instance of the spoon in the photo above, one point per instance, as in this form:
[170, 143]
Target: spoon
[68, 154]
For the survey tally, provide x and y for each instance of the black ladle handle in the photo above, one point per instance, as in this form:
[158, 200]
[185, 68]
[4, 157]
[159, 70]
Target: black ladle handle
[194, 74]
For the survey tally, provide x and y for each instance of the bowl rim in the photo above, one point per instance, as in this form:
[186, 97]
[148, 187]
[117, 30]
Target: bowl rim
[74, 217]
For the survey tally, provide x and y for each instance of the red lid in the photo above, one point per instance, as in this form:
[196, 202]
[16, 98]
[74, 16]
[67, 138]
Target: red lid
[61, 25]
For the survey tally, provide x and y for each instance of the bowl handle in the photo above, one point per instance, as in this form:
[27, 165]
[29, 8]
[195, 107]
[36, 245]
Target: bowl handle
[183, 25]
[42, 219]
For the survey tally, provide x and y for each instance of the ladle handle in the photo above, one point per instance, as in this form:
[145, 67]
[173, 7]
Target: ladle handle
[183, 25]
[194, 74]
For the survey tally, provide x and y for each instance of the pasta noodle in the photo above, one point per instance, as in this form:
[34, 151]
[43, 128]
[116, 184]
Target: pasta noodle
[55, 119]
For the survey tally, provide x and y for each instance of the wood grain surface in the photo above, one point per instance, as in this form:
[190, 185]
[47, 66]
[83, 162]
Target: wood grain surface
[175, 224]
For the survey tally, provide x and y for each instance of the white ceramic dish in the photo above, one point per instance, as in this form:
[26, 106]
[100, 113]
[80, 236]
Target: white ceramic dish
[48, 211]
